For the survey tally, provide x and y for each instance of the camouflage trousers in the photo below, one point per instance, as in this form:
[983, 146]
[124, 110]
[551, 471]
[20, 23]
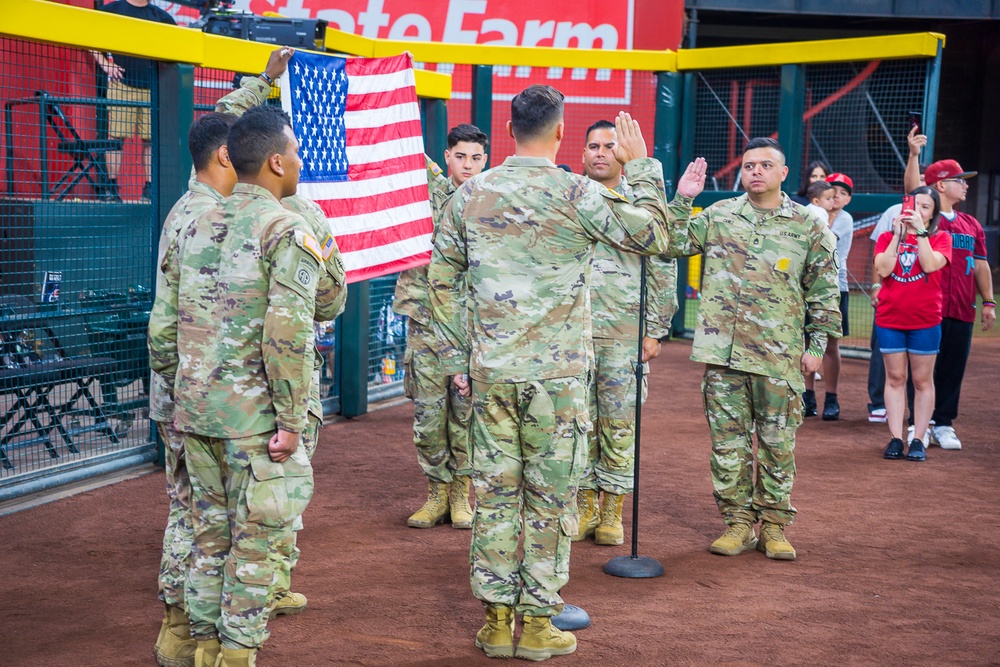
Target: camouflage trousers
[737, 404]
[440, 414]
[243, 507]
[527, 441]
[177, 537]
[611, 445]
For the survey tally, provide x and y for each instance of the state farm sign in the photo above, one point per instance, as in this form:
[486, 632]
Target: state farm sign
[585, 24]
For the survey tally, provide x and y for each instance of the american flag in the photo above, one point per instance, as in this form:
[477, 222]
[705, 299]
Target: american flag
[358, 125]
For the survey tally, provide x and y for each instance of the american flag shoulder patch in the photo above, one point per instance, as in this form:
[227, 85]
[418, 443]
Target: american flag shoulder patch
[309, 243]
[327, 247]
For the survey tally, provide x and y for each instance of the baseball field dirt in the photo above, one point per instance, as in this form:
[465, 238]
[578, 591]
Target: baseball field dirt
[897, 560]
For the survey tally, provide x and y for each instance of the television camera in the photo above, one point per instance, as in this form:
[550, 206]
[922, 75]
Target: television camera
[219, 18]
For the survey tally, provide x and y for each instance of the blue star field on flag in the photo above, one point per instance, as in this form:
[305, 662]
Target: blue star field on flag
[318, 86]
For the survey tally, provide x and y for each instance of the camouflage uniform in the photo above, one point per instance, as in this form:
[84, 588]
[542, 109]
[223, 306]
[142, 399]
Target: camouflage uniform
[330, 295]
[763, 275]
[242, 366]
[177, 538]
[614, 301]
[523, 236]
[440, 414]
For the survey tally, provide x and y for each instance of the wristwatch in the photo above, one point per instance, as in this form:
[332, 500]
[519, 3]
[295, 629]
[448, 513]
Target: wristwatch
[266, 78]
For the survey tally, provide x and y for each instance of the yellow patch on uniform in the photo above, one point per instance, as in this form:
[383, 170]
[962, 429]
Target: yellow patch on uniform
[782, 264]
[435, 169]
[328, 246]
[309, 243]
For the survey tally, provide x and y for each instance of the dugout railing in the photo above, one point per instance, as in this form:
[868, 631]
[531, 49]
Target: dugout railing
[74, 371]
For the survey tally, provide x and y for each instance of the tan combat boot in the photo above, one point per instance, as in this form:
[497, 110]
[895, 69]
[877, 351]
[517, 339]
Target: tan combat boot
[540, 640]
[458, 502]
[496, 638]
[589, 511]
[738, 538]
[163, 629]
[237, 657]
[177, 648]
[207, 652]
[773, 542]
[287, 603]
[435, 510]
[610, 532]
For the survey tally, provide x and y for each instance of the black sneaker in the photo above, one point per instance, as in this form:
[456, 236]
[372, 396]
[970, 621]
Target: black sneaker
[831, 409]
[917, 451]
[894, 450]
[147, 190]
[809, 403]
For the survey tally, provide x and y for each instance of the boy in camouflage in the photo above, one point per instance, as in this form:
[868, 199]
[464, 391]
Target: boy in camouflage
[519, 240]
[440, 413]
[769, 263]
[614, 303]
[242, 373]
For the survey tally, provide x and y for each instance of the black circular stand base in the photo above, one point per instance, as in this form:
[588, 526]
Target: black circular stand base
[571, 618]
[638, 567]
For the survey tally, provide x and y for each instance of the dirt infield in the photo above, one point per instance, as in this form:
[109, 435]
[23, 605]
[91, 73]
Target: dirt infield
[898, 561]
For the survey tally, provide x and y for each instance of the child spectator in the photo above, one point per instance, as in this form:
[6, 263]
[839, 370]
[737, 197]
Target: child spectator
[842, 225]
[820, 195]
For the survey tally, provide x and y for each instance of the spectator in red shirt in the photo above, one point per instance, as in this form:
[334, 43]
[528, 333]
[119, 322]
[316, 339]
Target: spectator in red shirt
[909, 260]
[966, 274]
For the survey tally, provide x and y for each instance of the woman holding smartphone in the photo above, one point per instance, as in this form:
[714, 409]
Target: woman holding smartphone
[908, 316]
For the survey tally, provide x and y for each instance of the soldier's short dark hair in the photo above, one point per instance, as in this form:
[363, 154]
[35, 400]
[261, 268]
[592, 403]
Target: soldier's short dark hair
[255, 137]
[599, 125]
[765, 142]
[467, 133]
[535, 110]
[816, 189]
[207, 135]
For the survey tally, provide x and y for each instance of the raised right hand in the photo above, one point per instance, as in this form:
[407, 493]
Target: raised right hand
[693, 181]
[630, 145]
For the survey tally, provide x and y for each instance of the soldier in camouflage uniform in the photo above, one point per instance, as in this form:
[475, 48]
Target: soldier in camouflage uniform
[614, 302]
[214, 180]
[253, 92]
[770, 278]
[440, 413]
[242, 367]
[520, 239]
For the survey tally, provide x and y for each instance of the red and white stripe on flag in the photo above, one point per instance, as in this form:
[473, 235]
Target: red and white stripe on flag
[358, 125]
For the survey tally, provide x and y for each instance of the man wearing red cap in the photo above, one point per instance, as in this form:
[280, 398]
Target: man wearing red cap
[967, 273]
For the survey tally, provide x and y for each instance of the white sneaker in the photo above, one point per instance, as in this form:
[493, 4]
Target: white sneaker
[911, 434]
[945, 437]
[877, 416]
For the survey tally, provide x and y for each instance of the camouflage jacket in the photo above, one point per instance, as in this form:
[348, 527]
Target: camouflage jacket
[766, 284]
[412, 297]
[522, 235]
[162, 336]
[614, 290]
[248, 275]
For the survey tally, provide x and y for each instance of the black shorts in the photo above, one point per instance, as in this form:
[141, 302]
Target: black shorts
[843, 313]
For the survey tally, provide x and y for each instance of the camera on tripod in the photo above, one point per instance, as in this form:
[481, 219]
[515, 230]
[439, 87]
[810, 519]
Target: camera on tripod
[218, 18]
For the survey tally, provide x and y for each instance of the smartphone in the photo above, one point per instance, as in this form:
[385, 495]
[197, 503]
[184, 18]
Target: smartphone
[914, 117]
[909, 203]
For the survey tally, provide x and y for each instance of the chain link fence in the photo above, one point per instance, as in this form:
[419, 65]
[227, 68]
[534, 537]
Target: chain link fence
[76, 260]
